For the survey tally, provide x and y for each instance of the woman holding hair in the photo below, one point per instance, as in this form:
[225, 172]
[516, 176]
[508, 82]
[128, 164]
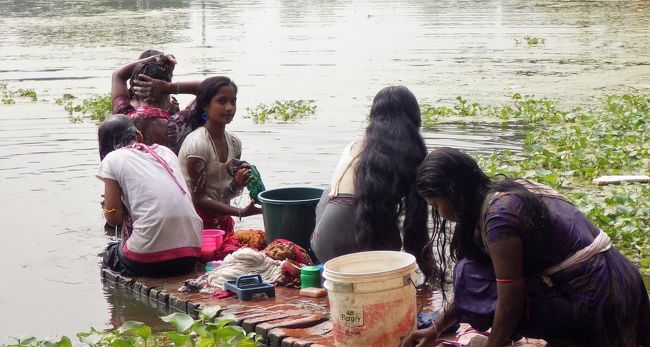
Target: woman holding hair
[529, 263]
[144, 183]
[209, 154]
[374, 186]
[147, 101]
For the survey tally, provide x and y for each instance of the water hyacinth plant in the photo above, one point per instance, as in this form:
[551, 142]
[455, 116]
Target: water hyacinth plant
[284, 111]
[206, 331]
[531, 41]
[566, 149]
[97, 107]
[9, 95]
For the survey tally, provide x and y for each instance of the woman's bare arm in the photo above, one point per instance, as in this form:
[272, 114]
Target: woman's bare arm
[506, 257]
[113, 210]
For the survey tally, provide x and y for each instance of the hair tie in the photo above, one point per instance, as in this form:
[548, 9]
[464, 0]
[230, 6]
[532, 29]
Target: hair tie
[204, 116]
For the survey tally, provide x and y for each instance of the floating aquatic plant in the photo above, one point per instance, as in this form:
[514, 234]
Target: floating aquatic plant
[566, 149]
[9, 94]
[205, 331]
[530, 41]
[97, 107]
[289, 110]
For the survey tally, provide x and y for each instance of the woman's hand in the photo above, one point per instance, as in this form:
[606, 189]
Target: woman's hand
[241, 179]
[250, 210]
[146, 87]
[420, 338]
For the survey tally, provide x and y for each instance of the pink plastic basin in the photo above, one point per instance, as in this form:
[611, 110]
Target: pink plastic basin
[210, 243]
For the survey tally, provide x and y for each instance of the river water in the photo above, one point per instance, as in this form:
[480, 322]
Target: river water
[337, 53]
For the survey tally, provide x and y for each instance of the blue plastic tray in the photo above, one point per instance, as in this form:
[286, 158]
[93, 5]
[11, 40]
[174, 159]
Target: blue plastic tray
[248, 285]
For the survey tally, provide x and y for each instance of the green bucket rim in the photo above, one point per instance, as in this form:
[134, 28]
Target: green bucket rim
[264, 200]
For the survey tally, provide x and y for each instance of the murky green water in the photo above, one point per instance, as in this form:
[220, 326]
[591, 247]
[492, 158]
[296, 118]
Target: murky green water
[338, 53]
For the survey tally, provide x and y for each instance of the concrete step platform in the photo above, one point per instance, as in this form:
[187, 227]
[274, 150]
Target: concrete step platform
[287, 320]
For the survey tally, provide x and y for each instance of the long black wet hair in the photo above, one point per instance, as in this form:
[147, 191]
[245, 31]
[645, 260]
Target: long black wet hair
[454, 176]
[384, 181]
[115, 132]
[207, 90]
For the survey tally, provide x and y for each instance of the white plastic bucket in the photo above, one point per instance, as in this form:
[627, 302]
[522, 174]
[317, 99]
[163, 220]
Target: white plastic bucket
[372, 297]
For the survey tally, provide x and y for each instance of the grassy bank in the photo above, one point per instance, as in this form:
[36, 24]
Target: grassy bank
[566, 149]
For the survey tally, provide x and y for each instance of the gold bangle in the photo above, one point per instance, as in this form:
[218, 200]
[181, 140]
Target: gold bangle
[109, 210]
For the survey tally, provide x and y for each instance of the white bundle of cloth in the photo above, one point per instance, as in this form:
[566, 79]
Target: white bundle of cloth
[244, 261]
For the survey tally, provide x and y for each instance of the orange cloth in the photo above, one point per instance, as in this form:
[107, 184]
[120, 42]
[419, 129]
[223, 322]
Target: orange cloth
[252, 238]
[281, 249]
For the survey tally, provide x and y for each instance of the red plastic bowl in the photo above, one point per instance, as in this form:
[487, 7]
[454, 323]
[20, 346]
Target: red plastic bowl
[210, 243]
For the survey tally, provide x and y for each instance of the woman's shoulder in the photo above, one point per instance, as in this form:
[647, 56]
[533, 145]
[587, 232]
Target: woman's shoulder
[197, 134]
[501, 198]
[195, 144]
[113, 163]
[354, 148]
[232, 136]
[164, 151]
[234, 139]
[117, 155]
[198, 137]
[509, 203]
[122, 105]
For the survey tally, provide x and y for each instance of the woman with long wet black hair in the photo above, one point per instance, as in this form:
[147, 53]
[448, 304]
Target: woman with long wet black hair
[372, 193]
[529, 263]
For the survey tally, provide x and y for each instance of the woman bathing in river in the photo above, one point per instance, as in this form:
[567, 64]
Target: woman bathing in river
[374, 185]
[145, 183]
[529, 262]
[207, 153]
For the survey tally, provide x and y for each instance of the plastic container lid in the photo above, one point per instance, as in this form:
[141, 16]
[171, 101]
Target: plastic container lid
[309, 276]
[310, 270]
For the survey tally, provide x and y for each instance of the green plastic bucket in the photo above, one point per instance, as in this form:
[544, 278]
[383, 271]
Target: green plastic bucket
[290, 213]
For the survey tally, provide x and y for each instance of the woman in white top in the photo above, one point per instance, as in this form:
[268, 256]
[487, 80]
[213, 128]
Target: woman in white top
[374, 185]
[208, 154]
[144, 184]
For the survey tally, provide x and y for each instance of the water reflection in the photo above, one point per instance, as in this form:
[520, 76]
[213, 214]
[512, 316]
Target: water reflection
[63, 8]
[96, 23]
[124, 305]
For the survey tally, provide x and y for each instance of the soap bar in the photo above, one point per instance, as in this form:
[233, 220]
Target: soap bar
[313, 292]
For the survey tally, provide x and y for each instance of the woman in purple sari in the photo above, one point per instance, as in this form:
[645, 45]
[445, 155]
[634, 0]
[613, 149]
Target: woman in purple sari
[529, 263]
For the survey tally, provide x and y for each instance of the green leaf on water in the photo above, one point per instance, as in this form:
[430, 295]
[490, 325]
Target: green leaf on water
[122, 342]
[177, 339]
[206, 343]
[228, 332]
[181, 321]
[62, 342]
[135, 328]
[247, 342]
[91, 338]
[209, 312]
[645, 262]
